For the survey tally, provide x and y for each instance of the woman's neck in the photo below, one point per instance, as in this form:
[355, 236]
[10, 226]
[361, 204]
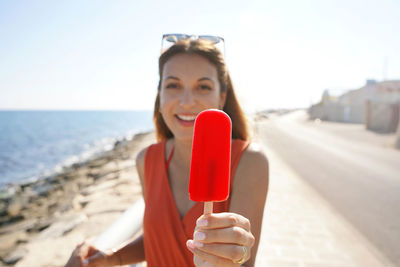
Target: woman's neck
[182, 152]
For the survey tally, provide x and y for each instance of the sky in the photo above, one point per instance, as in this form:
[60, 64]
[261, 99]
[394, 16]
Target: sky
[103, 55]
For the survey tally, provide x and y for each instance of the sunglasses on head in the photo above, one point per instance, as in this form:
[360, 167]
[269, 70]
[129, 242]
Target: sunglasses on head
[171, 38]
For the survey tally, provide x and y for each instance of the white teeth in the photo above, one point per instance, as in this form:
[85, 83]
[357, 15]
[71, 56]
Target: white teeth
[187, 117]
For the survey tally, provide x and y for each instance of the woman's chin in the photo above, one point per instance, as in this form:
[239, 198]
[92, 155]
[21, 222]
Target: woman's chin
[184, 137]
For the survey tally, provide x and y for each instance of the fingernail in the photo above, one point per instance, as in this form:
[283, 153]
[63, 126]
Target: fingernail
[85, 262]
[190, 244]
[202, 222]
[199, 236]
[198, 244]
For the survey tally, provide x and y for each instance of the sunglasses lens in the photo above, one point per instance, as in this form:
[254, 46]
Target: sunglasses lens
[213, 39]
[182, 36]
[176, 37]
[170, 38]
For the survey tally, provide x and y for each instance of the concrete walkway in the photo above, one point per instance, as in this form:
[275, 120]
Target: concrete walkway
[301, 229]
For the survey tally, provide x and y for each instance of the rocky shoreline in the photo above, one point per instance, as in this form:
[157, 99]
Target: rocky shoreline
[68, 207]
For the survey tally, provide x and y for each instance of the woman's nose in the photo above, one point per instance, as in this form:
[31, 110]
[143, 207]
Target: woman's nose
[187, 99]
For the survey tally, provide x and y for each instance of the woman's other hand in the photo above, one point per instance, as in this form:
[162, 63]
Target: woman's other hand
[81, 252]
[221, 239]
[88, 255]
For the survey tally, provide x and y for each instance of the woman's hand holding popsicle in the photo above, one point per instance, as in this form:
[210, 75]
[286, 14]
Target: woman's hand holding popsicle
[221, 239]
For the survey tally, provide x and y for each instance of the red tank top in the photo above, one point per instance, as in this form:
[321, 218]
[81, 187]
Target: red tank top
[164, 232]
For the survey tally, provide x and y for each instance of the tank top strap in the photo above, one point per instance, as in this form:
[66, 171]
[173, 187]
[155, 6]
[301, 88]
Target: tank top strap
[238, 146]
[169, 158]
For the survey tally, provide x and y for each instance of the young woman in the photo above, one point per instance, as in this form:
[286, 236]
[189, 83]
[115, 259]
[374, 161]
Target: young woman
[193, 77]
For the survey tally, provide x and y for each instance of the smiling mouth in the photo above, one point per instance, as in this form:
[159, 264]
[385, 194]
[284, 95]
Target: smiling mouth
[186, 117]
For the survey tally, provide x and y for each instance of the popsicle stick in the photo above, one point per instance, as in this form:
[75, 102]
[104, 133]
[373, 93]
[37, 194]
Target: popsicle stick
[208, 207]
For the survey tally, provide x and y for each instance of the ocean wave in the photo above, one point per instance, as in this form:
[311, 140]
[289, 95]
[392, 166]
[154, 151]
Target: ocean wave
[37, 144]
[90, 152]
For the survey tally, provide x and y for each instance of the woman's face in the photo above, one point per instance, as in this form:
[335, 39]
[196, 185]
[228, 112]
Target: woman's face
[189, 85]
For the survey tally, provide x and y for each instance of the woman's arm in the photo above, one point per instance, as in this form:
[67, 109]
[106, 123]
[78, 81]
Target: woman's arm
[131, 252]
[225, 234]
[249, 193]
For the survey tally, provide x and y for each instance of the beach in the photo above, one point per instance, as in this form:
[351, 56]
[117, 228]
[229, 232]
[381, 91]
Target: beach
[41, 222]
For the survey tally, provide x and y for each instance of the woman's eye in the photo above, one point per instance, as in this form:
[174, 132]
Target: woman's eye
[205, 87]
[172, 86]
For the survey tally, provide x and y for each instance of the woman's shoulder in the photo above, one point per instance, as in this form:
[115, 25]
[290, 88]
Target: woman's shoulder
[141, 156]
[251, 181]
[140, 161]
[253, 164]
[254, 154]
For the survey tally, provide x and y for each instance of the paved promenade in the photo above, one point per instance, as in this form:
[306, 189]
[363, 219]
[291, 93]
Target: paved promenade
[301, 229]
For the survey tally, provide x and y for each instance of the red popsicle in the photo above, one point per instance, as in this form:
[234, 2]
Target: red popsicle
[211, 157]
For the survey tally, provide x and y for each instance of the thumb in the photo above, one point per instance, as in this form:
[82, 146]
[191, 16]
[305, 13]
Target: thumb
[97, 259]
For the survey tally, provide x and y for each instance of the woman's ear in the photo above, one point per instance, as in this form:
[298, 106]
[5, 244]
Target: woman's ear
[222, 100]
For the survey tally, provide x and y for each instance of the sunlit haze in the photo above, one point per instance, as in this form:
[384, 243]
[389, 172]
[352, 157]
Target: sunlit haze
[104, 54]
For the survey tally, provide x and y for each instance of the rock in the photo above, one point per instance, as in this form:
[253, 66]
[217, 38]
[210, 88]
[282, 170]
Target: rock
[3, 208]
[94, 173]
[43, 189]
[6, 220]
[76, 166]
[42, 225]
[23, 238]
[28, 183]
[64, 207]
[79, 202]
[117, 143]
[9, 241]
[77, 174]
[71, 188]
[7, 193]
[15, 256]
[63, 226]
[105, 170]
[39, 225]
[120, 143]
[110, 176]
[83, 183]
[97, 163]
[127, 164]
[30, 195]
[111, 166]
[25, 225]
[15, 207]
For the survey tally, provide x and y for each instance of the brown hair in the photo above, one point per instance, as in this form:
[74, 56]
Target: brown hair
[232, 108]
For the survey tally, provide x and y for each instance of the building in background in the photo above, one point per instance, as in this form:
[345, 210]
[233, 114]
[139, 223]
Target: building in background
[377, 105]
[382, 107]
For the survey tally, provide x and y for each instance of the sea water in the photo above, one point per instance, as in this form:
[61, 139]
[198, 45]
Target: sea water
[35, 144]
